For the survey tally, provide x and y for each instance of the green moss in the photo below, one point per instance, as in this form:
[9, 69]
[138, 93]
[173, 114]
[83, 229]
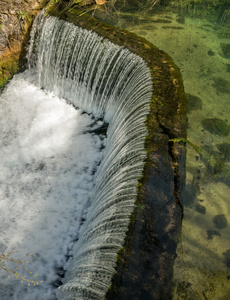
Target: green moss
[23, 15]
[8, 67]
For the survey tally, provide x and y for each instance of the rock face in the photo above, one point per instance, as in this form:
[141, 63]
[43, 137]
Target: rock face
[16, 17]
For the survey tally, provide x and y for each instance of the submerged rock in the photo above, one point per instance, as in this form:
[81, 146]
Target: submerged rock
[201, 209]
[180, 19]
[225, 49]
[220, 221]
[164, 21]
[172, 27]
[194, 102]
[227, 257]
[221, 85]
[188, 195]
[211, 53]
[216, 126]
[148, 27]
[224, 148]
[228, 68]
[211, 233]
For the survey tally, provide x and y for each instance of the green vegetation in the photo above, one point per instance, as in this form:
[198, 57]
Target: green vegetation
[8, 67]
[7, 257]
[23, 16]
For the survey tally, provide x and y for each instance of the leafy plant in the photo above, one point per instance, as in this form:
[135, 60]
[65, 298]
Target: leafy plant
[22, 15]
[7, 257]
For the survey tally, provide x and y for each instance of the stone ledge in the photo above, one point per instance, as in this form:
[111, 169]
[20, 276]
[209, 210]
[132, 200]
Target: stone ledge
[145, 263]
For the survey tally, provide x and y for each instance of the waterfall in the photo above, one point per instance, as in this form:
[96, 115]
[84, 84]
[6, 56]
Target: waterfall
[112, 83]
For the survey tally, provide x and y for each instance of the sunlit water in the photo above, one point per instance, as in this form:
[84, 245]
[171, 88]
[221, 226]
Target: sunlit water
[202, 268]
[46, 176]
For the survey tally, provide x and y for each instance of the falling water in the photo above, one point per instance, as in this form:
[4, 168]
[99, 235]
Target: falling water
[114, 84]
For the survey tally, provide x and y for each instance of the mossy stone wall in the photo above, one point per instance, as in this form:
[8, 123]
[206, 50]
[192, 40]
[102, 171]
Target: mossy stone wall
[145, 263]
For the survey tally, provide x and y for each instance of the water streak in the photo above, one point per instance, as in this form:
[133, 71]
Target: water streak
[111, 82]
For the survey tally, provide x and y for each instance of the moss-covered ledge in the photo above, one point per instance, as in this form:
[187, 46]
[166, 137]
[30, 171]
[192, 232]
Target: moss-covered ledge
[145, 263]
[168, 92]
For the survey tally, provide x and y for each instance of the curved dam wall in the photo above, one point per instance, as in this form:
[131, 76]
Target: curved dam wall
[144, 268]
[112, 83]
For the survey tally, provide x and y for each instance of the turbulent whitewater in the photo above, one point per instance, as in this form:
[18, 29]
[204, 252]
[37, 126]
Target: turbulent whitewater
[108, 82]
[46, 176]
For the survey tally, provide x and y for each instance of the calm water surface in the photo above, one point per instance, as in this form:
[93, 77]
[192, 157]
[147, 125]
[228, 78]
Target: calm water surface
[199, 43]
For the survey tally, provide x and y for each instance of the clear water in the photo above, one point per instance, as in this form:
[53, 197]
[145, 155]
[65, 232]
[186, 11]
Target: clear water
[194, 38]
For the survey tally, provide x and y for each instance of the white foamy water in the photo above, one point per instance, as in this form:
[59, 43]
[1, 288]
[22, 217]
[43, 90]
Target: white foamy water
[46, 176]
